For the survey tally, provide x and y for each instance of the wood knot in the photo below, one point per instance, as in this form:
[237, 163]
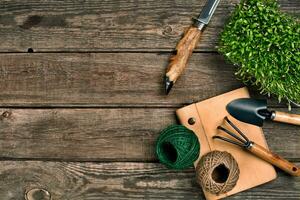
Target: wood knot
[168, 30]
[6, 114]
[31, 21]
[37, 194]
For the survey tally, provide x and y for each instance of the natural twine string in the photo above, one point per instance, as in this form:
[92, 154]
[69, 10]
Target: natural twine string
[177, 147]
[205, 172]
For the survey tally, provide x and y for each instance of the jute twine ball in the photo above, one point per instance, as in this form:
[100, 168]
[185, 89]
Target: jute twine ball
[217, 172]
[177, 147]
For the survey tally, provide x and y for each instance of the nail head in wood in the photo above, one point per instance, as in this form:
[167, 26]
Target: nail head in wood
[30, 50]
[37, 194]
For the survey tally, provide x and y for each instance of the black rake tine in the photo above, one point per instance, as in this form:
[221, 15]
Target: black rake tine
[231, 134]
[228, 140]
[237, 130]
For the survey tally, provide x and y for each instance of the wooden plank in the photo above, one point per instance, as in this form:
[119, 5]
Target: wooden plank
[104, 134]
[109, 79]
[91, 25]
[130, 79]
[120, 181]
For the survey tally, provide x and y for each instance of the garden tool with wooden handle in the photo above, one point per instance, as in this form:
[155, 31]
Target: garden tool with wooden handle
[257, 150]
[187, 44]
[254, 111]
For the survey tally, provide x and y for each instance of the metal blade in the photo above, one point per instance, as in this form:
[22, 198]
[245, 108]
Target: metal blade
[208, 11]
[248, 110]
[168, 85]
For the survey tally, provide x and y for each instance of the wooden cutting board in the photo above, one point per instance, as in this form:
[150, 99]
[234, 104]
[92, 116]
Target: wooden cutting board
[209, 114]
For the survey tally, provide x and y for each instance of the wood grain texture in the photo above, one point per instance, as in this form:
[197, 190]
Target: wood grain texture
[119, 25]
[91, 181]
[108, 79]
[104, 134]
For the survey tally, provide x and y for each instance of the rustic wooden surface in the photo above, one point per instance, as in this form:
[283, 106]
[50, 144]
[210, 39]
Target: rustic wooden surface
[79, 117]
[126, 134]
[91, 25]
[115, 180]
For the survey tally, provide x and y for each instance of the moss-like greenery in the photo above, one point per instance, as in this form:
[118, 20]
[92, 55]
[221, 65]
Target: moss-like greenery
[264, 43]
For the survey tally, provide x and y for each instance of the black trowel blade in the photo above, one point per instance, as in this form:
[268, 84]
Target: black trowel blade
[248, 110]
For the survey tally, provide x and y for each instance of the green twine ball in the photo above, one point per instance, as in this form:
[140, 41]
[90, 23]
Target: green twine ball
[177, 147]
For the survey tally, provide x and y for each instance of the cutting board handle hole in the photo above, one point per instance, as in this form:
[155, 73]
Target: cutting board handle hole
[295, 169]
[220, 174]
[169, 151]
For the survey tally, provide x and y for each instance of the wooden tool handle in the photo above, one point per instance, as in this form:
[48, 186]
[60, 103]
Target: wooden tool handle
[274, 159]
[184, 50]
[287, 118]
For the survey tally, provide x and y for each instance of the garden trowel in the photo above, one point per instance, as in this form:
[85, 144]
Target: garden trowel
[254, 111]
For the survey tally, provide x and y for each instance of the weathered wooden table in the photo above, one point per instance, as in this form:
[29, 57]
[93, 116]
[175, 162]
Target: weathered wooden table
[80, 115]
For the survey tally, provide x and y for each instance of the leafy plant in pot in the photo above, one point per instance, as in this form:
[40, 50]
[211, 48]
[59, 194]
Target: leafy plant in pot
[264, 43]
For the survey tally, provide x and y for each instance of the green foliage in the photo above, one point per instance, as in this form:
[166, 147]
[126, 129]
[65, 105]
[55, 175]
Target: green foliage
[264, 43]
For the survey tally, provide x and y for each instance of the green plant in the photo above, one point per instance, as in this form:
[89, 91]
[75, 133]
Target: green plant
[264, 43]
